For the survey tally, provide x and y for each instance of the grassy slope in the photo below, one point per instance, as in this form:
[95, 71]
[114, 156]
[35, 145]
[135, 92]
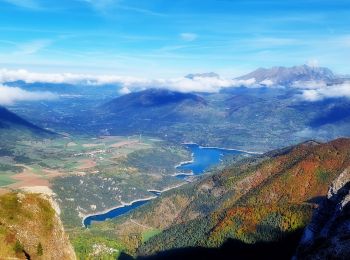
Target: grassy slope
[27, 225]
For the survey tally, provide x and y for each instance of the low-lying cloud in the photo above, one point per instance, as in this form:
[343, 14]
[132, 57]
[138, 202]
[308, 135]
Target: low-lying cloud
[197, 84]
[310, 91]
[324, 92]
[128, 84]
[10, 95]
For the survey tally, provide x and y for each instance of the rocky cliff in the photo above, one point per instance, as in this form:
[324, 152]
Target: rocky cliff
[31, 229]
[328, 234]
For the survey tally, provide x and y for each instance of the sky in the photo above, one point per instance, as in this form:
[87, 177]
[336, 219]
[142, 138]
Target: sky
[171, 38]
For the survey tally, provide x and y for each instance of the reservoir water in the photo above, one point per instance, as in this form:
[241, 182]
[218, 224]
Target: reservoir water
[113, 213]
[203, 158]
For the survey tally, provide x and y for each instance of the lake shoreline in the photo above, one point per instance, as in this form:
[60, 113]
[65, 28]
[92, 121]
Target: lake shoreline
[183, 173]
[124, 204]
[155, 191]
[169, 188]
[223, 148]
[185, 162]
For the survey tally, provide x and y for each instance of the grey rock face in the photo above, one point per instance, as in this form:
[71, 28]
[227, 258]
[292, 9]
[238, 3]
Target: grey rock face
[328, 234]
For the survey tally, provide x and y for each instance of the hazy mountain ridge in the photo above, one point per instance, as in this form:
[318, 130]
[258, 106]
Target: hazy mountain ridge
[245, 118]
[249, 118]
[155, 112]
[286, 76]
[11, 121]
[153, 98]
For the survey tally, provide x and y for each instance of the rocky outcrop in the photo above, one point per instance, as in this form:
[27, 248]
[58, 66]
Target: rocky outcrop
[31, 229]
[328, 234]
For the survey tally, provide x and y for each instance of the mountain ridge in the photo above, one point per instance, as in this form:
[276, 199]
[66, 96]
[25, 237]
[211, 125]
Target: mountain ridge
[154, 97]
[287, 76]
[10, 120]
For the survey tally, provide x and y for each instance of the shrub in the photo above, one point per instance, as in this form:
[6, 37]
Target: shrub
[18, 248]
[39, 249]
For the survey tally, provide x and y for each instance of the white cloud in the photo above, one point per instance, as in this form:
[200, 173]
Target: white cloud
[310, 84]
[333, 91]
[267, 82]
[310, 91]
[205, 84]
[189, 37]
[124, 91]
[200, 84]
[10, 95]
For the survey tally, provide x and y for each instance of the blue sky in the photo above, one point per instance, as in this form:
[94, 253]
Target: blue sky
[166, 38]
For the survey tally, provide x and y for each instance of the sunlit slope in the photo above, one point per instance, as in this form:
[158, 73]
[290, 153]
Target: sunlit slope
[261, 202]
[30, 227]
[259, 199]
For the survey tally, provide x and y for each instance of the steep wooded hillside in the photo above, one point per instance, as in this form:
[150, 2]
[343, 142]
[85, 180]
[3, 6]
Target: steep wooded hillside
[256, 200]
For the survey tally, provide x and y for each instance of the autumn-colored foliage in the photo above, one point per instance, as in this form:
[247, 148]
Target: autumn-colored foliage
[259, 199]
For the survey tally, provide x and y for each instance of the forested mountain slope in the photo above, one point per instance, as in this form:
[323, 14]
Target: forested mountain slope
[257, 200]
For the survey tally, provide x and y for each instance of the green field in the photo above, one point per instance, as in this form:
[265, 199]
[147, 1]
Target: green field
[94, 174]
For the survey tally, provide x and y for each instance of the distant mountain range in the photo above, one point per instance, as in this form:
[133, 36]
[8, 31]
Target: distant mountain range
[247, 118]
[153, 98]
[256, 118]
[287, 76]
[153, 110]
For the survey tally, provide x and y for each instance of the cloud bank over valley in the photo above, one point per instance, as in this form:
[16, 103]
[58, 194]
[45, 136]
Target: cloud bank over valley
[10, 95]
[313, 90]
[128, 84]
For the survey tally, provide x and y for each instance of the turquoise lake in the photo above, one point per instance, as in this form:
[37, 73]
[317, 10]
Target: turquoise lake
[203, 159]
